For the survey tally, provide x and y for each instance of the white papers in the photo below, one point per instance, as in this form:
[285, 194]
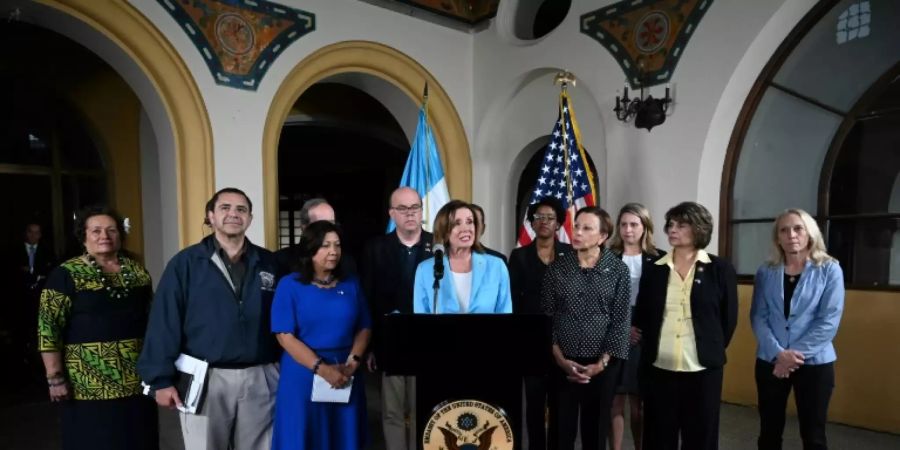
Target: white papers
[323, 392]
[195, 370]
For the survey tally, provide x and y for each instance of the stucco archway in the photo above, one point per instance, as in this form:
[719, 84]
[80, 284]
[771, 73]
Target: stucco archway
[383, 62]
[174, 105]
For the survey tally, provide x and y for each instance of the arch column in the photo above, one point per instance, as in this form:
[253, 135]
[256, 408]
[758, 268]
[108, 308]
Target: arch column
[388, 64]
[138, 38]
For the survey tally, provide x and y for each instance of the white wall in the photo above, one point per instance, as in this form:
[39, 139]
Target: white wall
[679, 160]
[513, 121]
[238, 117]
[151, 204]
[501, 87]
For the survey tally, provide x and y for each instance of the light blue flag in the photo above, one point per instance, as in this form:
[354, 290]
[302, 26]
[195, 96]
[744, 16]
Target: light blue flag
[424, 173]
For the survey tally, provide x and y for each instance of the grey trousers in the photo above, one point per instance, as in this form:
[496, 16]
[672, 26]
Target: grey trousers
[398, 399]
[237, 411]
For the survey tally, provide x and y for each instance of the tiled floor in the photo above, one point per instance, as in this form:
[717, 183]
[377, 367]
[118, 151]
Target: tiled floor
[29, 423]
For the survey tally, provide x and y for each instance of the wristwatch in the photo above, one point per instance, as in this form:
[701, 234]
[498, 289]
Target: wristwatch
[354, 358]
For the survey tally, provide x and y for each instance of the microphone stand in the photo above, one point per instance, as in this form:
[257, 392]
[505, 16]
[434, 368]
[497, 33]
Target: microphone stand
[436, 286]
[438, 274]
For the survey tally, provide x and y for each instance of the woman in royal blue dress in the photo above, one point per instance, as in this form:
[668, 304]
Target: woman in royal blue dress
[322, 322]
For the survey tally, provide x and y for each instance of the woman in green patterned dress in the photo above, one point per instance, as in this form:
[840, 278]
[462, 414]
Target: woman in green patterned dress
[93, 314]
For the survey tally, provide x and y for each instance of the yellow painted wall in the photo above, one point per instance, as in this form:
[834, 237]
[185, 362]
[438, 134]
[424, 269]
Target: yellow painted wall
[113, 114]
[867, 372]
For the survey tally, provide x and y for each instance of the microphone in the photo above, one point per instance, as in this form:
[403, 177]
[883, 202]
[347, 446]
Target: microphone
[438, 274]
[438, 261]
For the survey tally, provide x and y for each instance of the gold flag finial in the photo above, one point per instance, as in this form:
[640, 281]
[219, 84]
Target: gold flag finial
[564, 79]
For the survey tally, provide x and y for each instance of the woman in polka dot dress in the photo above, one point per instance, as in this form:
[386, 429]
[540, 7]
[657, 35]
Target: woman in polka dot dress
[587, 294]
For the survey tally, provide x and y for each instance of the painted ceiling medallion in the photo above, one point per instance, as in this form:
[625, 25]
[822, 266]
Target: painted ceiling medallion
[470, 12]
[239, 39]
[647, 37]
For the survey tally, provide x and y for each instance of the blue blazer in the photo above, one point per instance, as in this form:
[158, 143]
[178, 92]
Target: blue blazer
[816, 309]
[490, 287]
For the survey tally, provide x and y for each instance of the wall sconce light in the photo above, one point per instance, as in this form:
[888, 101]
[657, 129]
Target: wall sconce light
[647, 112]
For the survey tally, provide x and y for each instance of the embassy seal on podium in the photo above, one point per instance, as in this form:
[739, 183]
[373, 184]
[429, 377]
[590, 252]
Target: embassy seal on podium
[467, 425]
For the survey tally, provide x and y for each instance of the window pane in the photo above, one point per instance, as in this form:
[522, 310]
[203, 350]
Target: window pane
[32, 202]
[781, 157]
[22, 142]
[78, 192]
[868, 250]
[77, 148]
[866, 176]
[25, 118]
[752, 242]
[853, 45]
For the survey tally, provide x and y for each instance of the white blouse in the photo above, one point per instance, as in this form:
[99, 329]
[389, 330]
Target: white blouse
[463, 284]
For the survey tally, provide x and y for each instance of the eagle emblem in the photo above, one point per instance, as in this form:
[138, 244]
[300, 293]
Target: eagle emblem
[467, 425]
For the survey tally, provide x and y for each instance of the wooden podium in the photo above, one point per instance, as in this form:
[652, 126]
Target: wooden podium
[467, 356]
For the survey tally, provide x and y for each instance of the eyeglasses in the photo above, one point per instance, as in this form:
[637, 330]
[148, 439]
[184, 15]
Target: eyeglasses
[544, 218]
[403, 209]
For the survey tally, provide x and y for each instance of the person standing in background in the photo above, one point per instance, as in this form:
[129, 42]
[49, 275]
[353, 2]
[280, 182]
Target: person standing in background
[388, 269]
[527, 266]
[686, 312]
[214, 303]
[798, 300]
[633, 242]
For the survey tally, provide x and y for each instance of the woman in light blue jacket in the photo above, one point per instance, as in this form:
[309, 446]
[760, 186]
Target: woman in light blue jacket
[473, 281]
[798, 298]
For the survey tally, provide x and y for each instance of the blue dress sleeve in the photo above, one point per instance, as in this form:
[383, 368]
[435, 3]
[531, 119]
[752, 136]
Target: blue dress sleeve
[283, 306]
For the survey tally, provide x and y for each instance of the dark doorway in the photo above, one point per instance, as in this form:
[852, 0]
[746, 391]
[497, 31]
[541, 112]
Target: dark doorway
[49, 159]
[50, 166]
[343, 145]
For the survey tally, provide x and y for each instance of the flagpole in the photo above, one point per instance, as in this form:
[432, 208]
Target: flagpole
[563, 79]
[426, 211]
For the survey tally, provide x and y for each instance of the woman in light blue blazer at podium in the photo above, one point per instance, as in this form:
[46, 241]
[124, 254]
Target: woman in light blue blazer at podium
[798, 298]
[473, 282]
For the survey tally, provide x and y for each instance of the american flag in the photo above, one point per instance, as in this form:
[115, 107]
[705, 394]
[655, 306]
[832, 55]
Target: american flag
[564, 173]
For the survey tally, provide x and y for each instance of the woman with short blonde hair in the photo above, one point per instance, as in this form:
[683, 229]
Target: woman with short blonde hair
[817, 252]
[798, 299]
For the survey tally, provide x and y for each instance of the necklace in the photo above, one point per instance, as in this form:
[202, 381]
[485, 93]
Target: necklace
[126, 276]
[324, 282]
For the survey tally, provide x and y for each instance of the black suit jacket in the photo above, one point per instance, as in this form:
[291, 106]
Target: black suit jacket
[526, 275]
[386, 287]
[286, 260]
[714, 309]
[44, 261]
